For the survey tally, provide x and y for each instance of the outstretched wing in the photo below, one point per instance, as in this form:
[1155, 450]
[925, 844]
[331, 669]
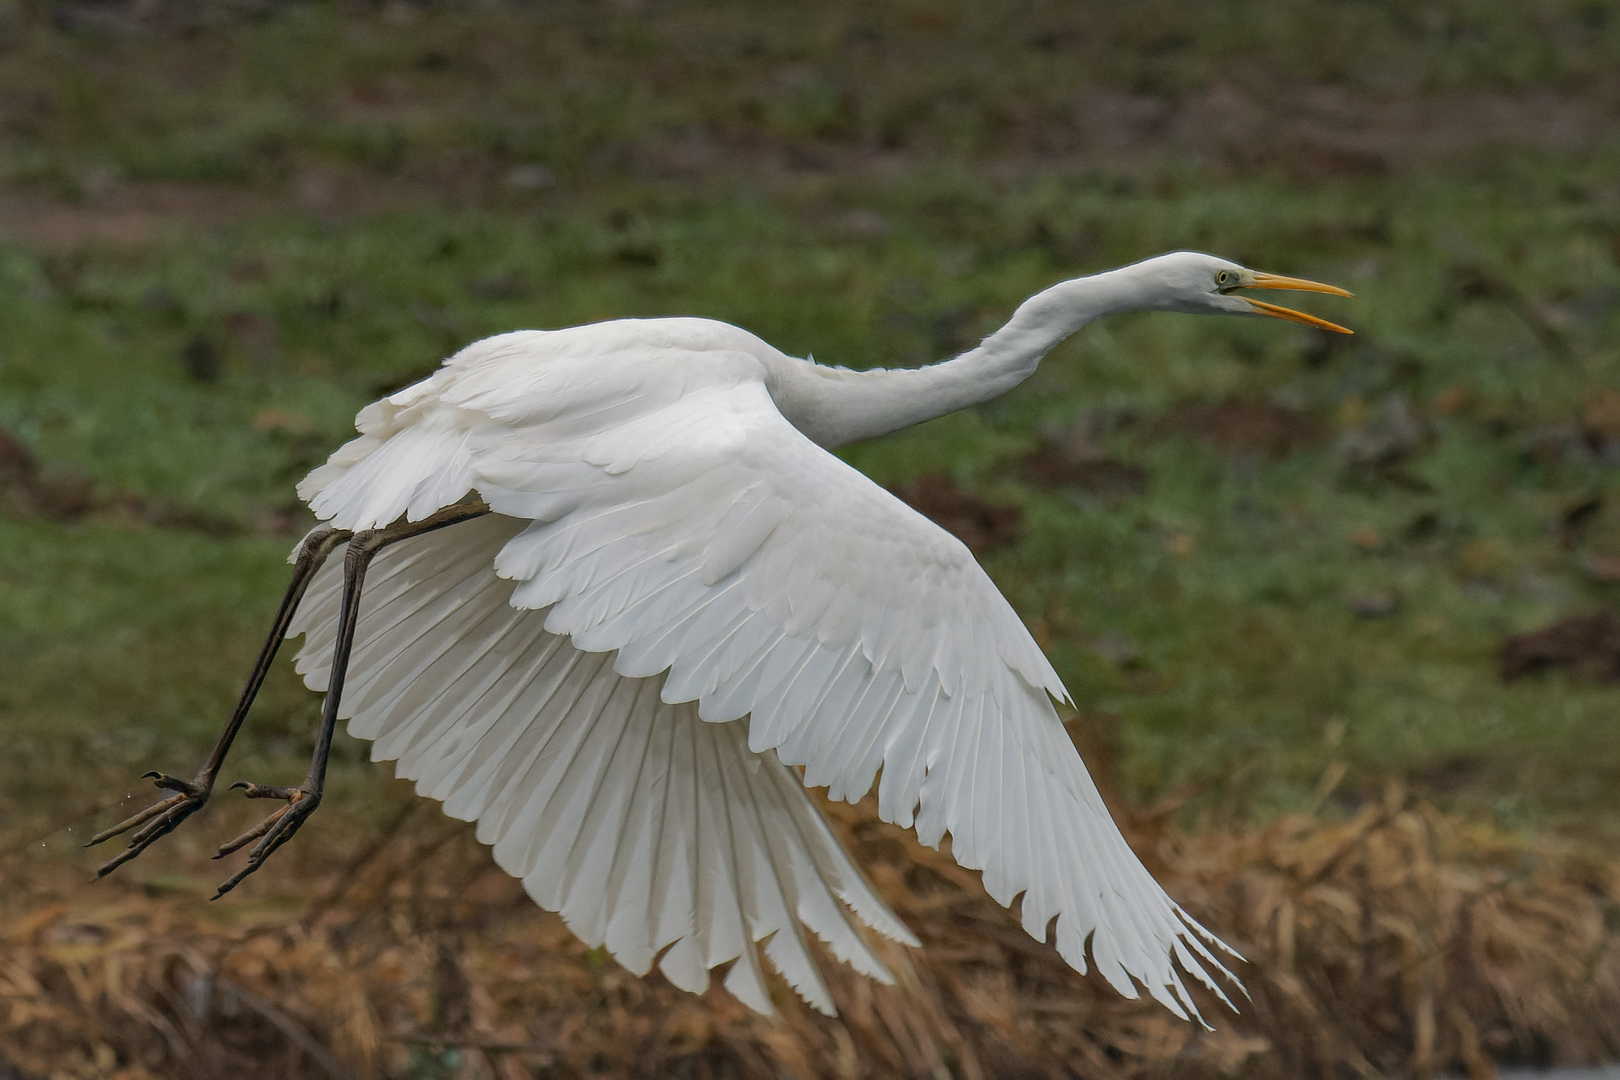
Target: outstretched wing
[652, 833]
[680, 523]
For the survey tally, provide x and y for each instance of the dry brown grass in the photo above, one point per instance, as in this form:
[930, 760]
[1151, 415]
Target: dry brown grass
[1403, 941]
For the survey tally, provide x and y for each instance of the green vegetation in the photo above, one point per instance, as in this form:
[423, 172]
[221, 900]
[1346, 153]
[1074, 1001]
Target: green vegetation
[227, 237]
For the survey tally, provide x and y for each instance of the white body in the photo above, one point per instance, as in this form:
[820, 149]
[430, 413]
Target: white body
[680, 595]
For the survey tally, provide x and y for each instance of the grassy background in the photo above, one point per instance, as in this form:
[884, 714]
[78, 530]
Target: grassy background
[228, 226]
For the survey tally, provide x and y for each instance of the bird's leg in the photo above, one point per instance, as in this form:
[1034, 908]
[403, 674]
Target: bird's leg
[162, 817]
[302, 801]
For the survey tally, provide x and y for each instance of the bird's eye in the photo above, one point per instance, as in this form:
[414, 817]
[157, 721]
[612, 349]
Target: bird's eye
[1223, 277]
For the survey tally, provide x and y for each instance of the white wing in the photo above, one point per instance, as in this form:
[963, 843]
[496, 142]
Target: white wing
[682, 525]
[650, 831]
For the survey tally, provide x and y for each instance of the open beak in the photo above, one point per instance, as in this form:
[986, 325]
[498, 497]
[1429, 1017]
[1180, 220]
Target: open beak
[1277, 281]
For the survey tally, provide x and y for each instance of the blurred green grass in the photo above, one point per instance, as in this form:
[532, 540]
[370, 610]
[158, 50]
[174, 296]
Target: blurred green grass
[353, 193]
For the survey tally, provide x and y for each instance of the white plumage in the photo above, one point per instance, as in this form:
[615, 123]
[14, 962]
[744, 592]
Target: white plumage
[643, 826]
[677, 596]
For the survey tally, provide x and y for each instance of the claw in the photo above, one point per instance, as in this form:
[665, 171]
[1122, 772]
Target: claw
[272, 832]
[172, 783]
[157, 820]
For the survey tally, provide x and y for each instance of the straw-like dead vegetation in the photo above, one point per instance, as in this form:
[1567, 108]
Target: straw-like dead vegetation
[1402, 941]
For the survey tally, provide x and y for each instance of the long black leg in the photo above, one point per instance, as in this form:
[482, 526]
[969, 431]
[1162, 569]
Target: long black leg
[303, 800]
[164, 816]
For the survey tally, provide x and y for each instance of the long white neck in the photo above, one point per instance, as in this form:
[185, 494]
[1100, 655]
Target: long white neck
[835, 406]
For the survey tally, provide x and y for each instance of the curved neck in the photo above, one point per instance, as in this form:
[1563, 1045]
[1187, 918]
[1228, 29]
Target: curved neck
[835, 406]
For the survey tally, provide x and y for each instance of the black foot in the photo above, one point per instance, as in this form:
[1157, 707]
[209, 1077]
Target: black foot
[273, 831]
[157, 820]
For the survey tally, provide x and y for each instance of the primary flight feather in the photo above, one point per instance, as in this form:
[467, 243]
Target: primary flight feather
[620, 588]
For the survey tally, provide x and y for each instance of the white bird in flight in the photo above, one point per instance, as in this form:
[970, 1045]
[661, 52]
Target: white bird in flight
[660, 595]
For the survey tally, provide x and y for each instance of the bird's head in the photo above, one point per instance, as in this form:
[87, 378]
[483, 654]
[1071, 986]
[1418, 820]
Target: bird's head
[1192, 282]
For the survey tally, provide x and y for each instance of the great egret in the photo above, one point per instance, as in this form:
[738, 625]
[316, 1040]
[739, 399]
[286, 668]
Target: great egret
[663, 592]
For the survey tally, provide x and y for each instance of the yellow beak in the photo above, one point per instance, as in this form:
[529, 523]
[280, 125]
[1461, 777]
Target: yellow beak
[1277, 281]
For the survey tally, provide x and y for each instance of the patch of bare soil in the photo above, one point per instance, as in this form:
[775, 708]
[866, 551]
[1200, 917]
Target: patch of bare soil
[130, 214]
[1386, 439]
[1073, 459]
[26, 490]
[980, 524]
[1308, 132]
[1403, 941]
[1592, 436]
[1246, 427]
[1319, 131]
[1106, 478]
[1587, 645]
[31, 490]
[1253, 118]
